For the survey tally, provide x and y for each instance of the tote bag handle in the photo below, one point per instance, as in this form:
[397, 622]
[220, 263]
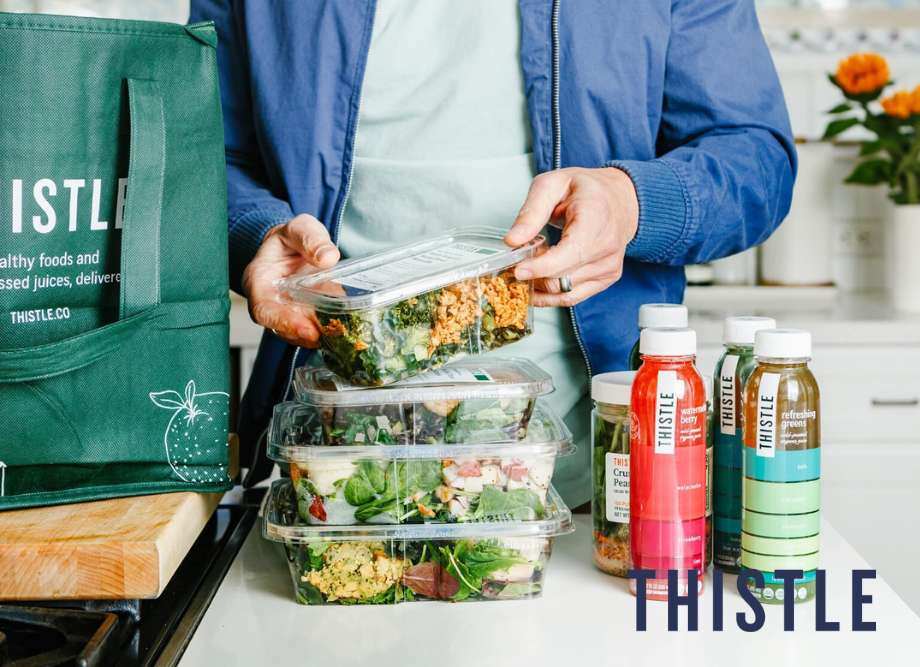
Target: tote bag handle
[140, 252]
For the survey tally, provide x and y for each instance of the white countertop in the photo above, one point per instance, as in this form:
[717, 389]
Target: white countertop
[585, 617]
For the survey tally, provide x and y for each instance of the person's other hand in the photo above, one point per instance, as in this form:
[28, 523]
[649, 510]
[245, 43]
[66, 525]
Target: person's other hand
[298, 245]
[600, 212]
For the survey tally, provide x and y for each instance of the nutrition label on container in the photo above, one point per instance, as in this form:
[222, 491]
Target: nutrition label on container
[416, 266]
[616, 475]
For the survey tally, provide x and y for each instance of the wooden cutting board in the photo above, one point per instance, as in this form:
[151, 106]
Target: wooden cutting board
[125, 548]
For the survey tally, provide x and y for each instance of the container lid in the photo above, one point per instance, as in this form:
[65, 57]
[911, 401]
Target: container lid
[613, 388]
[546, 434]
[471, 377]
[280, 523]
[662, 315]
[782, 344]
[407, 270]
[741, 330]
[660, 342]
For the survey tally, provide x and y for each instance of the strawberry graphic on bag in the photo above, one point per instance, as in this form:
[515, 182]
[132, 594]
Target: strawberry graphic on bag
[197, 429]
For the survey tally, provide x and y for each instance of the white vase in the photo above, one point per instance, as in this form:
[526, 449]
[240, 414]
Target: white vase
[799, 252]
[904, 257]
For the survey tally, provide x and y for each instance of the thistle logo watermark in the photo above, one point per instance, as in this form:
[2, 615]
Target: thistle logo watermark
[789, 579]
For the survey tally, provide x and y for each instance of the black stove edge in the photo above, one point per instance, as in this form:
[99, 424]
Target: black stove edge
[171, 653]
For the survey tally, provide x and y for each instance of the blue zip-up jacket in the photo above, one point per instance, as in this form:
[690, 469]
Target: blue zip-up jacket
[680, 94]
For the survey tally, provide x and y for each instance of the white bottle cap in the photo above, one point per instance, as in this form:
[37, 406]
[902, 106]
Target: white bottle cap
[613, 388]
[741, 330]
[782, 344]
[662, 315]
[660, 342]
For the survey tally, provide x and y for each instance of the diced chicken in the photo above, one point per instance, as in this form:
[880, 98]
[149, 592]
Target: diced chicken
[442, 408]
[541, 472]
[444, 493]
[459, 506]
[491, 474]
[519, 572]
[452, 477]
[473, 484]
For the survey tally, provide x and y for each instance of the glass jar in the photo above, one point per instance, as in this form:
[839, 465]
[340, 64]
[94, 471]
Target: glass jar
[610, 471]
[781, 494]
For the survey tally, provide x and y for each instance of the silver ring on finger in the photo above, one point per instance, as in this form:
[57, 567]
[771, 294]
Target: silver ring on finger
[565, 283]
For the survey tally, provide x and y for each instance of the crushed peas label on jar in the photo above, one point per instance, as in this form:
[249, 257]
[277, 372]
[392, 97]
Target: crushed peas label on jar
[666, 412]
[616, 477]
[418, 266]
[767, 414]
[728, 403]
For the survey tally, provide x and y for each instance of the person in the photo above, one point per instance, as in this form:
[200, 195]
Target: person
[653, 133]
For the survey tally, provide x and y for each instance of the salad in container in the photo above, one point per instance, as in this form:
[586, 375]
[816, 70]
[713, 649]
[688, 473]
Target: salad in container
[471, 400]
[505, 479]
[399, 313]
[382, 564]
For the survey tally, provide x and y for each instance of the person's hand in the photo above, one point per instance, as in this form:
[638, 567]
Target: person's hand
[600, 212]
[298, 245]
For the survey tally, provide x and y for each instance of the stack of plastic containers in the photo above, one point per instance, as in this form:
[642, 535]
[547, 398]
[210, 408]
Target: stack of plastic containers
[782, 465]
[418, 483]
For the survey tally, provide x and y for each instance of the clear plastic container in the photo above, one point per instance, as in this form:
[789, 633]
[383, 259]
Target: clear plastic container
[399, 313]
[471, 400]
[610, 470]
[445, 483]
[498, 560]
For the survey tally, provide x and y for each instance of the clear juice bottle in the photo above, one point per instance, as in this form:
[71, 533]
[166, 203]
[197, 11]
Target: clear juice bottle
[781, 492]
[668, 462]
[657, 316]
[731, 372]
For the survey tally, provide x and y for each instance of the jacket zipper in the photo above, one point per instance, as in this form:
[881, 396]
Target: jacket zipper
[557, 153]
[351, 172]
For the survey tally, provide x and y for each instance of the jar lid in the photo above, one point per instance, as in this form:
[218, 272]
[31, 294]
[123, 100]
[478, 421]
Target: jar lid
[782, 344]
[660, 342]
[741, 330]
[662, 315]
[612, 388]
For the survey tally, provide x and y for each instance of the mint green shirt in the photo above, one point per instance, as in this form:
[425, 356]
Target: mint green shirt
[443, 141]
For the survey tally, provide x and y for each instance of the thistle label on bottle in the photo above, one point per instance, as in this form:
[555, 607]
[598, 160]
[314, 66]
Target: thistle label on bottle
[666, 412]
[766, 415]
[728, 420]
[617, 487]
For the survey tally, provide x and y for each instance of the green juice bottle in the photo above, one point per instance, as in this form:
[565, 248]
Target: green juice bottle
[732, 371]
[781, 489]
[659, 316]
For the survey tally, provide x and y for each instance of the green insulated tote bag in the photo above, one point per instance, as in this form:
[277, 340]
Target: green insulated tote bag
[113, 261]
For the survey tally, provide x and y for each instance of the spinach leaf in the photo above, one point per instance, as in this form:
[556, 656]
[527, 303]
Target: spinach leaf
[516, 504]
[365, 483]
[471, 562]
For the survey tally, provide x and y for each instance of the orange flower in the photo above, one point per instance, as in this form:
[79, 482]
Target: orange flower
[863, 73]
[899, 105]
[915, 101]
